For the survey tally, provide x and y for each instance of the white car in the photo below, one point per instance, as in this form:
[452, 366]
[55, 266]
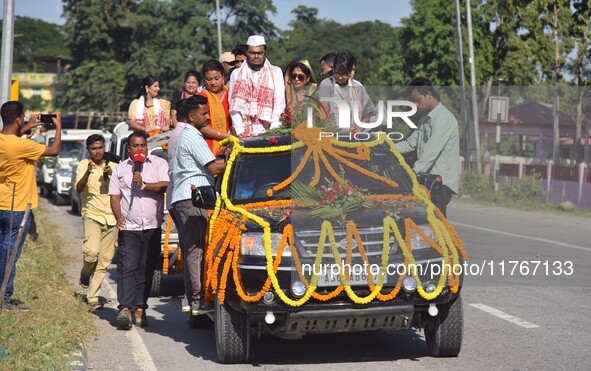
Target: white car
[72, 139]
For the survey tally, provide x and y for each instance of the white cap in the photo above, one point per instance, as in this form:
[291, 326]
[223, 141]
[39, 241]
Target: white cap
[256, 40]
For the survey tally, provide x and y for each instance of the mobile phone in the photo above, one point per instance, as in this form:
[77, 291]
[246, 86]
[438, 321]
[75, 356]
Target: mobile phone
[47, 119]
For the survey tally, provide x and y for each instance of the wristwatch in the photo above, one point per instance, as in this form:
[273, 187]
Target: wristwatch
[143, 186]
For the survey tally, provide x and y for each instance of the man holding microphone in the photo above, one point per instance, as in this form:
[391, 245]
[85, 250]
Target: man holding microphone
[137, 198]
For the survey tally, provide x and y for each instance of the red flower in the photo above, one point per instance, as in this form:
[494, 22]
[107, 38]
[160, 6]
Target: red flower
[193, 187]
[273, 141]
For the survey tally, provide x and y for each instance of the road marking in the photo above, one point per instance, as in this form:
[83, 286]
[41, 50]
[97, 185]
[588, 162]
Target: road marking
[523, 236]
[141, 355]
[503, 315]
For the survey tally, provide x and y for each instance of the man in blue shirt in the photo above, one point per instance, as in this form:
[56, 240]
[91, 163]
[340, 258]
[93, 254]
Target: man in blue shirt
[193, 164]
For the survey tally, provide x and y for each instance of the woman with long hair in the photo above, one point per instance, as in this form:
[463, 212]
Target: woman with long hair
[192, 86]
[216, 93]
[148, 113]
[300, 82]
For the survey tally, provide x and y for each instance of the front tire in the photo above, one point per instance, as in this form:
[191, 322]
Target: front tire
[444, 332]
[232, 334]
[156, 281]
[59, 199]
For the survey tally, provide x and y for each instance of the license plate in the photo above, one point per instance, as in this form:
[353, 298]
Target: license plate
[355, 279]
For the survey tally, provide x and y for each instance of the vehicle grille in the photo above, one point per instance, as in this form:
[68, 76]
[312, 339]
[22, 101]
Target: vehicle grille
[371, 238]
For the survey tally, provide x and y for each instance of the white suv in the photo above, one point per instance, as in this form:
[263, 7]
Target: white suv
[59, 167]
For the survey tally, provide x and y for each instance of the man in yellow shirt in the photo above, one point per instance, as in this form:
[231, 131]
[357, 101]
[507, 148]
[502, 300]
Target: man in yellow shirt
[18, 186]
[100, 226]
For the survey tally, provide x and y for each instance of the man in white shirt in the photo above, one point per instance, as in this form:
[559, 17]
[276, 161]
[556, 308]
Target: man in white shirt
[257, 92]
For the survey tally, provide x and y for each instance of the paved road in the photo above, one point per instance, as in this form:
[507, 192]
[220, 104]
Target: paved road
[519, 321]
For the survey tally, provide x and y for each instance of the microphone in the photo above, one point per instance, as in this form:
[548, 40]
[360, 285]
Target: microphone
[138, 164]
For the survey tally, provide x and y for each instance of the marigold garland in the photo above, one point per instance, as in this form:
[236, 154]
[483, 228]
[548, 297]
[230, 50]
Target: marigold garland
[228, 223]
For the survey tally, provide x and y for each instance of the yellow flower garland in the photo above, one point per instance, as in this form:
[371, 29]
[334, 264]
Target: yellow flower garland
[228, 239]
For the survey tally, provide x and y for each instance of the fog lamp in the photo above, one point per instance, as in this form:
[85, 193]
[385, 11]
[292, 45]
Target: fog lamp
[269, 297]
[409, 284]
[298, 289]
[430, 287]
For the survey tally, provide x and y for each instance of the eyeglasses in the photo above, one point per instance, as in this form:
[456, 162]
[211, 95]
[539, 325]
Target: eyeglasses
[298, 76]
[256, 54]
[341, 74]
[231, 63]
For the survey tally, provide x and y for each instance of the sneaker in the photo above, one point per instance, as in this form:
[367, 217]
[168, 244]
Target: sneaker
[140, 318]
[198, 307]
[11, 304]
[185, 306]
[124, 319]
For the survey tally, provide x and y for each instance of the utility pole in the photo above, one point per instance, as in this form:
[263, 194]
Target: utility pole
[475, 127]
[462, 85]
[6, 56]
[217, 9]
[555, 148]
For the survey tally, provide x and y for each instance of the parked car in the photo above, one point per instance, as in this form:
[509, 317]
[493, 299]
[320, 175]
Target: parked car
[283, 209]
[71, 142]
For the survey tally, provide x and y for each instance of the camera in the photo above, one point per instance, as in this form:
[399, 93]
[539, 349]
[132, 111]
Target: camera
[46, 119]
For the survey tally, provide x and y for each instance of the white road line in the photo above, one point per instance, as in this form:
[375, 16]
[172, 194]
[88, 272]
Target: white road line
[141, 356]
[523, 236]
[503, 315]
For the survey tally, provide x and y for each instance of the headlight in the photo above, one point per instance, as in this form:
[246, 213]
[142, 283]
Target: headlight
[254, 244]
[417, 242]
[50, 164]
[65, 172]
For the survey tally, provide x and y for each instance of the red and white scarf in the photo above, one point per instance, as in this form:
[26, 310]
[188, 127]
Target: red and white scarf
[254, 100]
[141, 114]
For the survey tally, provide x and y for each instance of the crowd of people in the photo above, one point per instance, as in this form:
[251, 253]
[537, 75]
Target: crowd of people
[240, 94]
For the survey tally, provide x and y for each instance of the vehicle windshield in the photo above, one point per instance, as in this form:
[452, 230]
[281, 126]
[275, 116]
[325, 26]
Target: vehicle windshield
[69, 148]
[254, 174]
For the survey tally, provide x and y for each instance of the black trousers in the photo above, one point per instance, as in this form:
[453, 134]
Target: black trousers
[191, 222]
[441, 198]
[138, 253]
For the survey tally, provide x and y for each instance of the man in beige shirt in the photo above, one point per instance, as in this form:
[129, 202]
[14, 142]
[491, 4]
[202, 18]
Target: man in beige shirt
[100, 226]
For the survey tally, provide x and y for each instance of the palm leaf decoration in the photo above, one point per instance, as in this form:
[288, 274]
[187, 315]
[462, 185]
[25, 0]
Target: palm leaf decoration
[305, 196]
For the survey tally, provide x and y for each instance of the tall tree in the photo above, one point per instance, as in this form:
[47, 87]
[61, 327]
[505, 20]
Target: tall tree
[34, 39]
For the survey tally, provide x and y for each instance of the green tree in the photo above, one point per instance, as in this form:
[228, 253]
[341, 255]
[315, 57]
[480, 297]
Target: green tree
[34, 39]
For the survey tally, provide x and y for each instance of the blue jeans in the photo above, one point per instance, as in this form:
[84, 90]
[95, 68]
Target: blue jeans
[8, 238]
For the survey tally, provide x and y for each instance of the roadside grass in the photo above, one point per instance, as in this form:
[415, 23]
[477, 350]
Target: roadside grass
[525, 193]
[45, 337]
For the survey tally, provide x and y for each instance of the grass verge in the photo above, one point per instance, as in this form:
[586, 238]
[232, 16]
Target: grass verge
[525, 194]
[45, 337]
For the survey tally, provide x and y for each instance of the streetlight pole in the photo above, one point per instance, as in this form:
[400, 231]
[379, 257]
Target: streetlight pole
[462, 85]
[7, 47]
[217, 9]
[476, 130]
[556, 136]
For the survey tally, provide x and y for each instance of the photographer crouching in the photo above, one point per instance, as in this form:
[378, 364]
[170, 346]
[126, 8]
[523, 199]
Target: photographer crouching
[100, 226]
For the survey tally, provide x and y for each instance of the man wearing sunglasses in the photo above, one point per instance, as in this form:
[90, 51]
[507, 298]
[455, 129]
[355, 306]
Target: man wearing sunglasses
[228, 61]
[257, 92]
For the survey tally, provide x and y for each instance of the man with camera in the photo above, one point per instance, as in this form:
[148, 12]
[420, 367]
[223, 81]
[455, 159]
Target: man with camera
[100, 226]
[18, 186]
